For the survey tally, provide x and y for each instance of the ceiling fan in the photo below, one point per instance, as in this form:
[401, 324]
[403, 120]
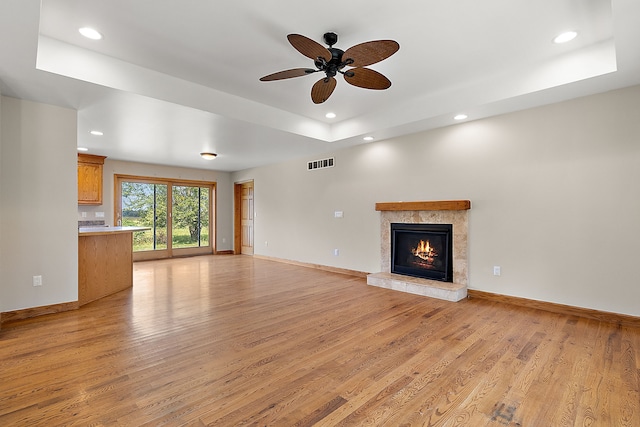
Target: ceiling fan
[332, 61]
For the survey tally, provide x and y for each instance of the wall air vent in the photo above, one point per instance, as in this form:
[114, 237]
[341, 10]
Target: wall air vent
[320, 164]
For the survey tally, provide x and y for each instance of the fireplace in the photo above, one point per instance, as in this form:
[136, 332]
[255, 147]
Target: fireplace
[422, 250]
[453, 214]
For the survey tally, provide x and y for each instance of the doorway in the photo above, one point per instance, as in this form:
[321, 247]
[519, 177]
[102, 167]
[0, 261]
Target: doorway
[243, 218]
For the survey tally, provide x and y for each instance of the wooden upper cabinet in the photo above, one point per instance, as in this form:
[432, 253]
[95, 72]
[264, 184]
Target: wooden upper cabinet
[90, 179]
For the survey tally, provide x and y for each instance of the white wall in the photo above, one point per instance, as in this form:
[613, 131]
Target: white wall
[2, 273]
[555, 195]
[224, 193]
[38, 198]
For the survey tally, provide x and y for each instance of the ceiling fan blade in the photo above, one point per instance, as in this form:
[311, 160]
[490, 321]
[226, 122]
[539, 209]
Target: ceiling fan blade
[287, 74]
[368, 53]
[322, 89]
[366, 78]
[309, 48]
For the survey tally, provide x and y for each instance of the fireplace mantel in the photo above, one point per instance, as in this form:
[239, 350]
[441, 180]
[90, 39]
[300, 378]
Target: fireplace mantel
[438, 205]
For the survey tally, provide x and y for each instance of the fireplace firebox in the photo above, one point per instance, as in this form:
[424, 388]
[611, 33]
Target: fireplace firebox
[422, 250]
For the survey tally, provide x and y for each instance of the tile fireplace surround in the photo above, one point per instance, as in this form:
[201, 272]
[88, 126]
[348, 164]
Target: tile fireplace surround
[430, 212]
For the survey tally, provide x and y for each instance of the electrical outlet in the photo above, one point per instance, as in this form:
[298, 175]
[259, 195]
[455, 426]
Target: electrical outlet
[224, 240]
[266, 243]
[336, 252]
[496, 270]
[99, 214]
[338, 214]
[37, 280]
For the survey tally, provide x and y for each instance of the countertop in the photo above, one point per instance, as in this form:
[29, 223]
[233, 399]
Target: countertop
[98, 231]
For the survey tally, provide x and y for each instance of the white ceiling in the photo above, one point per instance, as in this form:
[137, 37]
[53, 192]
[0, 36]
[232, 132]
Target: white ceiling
[173, 78]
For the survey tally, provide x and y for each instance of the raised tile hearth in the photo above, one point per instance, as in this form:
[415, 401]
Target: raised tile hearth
[453, 212]
[415, 285]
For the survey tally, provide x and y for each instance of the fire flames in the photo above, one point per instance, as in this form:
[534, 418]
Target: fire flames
[425, 251]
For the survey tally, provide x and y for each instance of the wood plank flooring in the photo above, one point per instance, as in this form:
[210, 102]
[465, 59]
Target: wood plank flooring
[233, 340]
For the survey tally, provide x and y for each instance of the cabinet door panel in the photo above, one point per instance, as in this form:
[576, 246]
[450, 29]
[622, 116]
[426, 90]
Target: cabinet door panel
[90, 179]
[89, 184]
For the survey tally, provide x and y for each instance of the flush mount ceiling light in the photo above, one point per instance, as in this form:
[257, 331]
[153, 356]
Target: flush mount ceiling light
[90, 33]
[96, 133]
[567, 36]
[208, 156]
[460, 117]
[330, 115]
[368, 138]
[83, 149]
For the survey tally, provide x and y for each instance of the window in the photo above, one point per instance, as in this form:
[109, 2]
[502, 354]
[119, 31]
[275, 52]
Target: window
[190, 213]
[145, 204]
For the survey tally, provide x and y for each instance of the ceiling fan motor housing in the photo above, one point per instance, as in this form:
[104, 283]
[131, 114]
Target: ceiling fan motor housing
[335, 64]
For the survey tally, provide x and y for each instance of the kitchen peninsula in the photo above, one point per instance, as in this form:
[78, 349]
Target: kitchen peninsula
[105, 261]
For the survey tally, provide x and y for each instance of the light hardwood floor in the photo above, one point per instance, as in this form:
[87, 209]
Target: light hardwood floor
[233, 340]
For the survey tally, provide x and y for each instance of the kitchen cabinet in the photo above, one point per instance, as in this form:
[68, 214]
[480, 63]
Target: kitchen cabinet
[90, 179]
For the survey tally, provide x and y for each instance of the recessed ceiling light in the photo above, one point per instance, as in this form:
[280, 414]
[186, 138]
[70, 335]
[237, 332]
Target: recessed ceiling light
[460, 117]
[567, 36]
[208, 156]
[96, 133]
[83, 149]
[368, 138]
[330, 115]
[90, 33]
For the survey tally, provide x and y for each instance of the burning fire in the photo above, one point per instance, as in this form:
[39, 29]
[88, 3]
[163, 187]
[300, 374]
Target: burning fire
[425, 251]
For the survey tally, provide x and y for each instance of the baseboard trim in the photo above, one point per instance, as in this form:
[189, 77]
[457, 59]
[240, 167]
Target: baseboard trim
[603, 316]
[10, 316]
[315, 266]
[229, 252]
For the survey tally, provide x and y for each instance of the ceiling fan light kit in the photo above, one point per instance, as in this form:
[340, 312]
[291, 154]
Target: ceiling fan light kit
[333, 61]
